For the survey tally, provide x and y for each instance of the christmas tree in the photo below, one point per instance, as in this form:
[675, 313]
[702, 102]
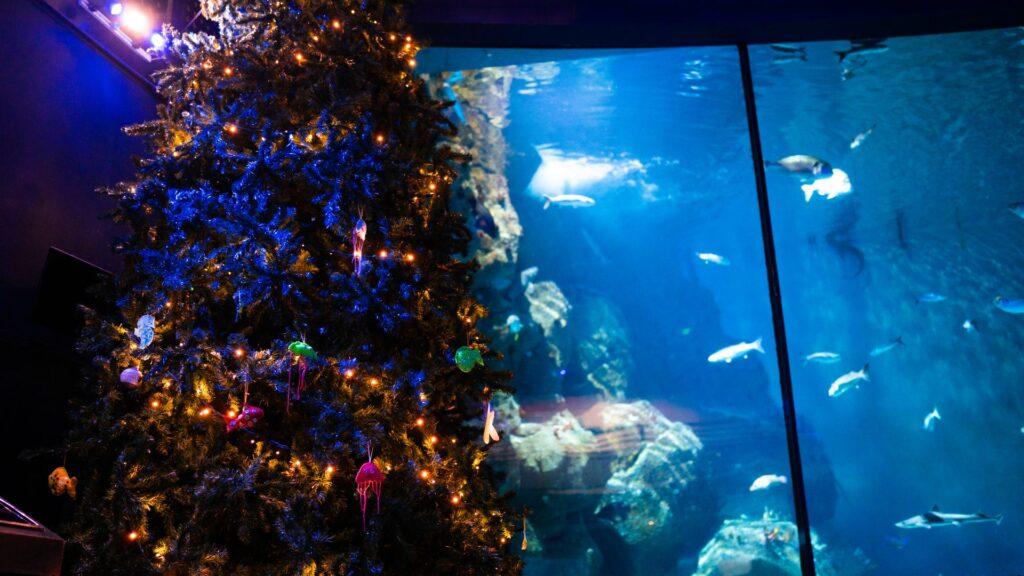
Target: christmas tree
[294, 382]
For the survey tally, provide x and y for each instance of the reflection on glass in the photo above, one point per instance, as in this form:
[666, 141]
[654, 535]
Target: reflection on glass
[616, 227]
[896, 193]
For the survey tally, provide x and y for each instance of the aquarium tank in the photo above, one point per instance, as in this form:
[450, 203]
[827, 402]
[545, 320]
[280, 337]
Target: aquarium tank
[612, 199]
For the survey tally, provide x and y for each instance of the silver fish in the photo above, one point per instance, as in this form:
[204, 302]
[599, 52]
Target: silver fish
[822, 358]
[879, 350]
[802, 164]
[848, 381]
[574, 200]
[1018, 209]
[929, 420]
[930, 297]
[712, 258]
[860, 138]
[1009, 305]
[741, 350]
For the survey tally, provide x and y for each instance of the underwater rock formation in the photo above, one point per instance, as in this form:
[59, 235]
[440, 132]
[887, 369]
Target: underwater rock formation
[767, 546]
[557, 449]
[602, 347]
[481, 110]
[658, 499]
[549, 308]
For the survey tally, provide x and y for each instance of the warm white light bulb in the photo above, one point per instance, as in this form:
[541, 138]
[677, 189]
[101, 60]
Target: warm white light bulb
[134, 21]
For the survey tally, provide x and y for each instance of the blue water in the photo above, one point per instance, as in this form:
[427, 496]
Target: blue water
[658, 139]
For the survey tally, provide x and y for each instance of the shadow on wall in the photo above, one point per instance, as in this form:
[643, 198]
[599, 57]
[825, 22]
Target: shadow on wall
[63, 105]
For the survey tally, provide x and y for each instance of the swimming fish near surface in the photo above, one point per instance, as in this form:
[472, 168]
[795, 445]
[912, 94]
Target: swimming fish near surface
[936, 519]
[931, 418]
[1018, 209]
[844, 383]
[836, 184]
[860, 138]
[822, 358]
[1009, 305]
[802, 164]
[741, 350]
[968, 326]
[767, 481]
[574, 200]
[930, 297]
[788, 53]
[712, 258]
[879, 350]
[863, 46]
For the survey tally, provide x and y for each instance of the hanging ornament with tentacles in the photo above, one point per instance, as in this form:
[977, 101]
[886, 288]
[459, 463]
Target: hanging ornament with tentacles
[369, 480]
[490, 432]
[246, 418]
[358, 238]
[302, 353]
[525, 544]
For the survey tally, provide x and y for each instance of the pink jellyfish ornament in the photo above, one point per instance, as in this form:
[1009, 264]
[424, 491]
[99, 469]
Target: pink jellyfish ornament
[358, 238]
[369, 480]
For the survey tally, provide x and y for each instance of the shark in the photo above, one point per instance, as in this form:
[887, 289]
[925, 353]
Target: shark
[936, 519]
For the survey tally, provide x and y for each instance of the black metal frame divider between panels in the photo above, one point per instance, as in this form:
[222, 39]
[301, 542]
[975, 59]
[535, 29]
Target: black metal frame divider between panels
[778, 323]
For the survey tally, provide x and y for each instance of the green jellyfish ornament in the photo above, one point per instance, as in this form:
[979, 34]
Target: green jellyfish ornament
[467, 358]
[299, 348]
[301, 352]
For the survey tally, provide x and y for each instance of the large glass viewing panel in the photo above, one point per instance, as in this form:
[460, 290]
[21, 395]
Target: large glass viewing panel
[612, 200]
[901, 252]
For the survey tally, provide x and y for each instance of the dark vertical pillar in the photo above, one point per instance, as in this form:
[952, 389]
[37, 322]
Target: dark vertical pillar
[775, 295]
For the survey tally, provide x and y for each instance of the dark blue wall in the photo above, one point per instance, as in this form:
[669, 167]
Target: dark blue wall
[62, 106]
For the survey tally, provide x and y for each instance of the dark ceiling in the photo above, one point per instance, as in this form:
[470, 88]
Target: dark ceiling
[612, 24]
[606, 23]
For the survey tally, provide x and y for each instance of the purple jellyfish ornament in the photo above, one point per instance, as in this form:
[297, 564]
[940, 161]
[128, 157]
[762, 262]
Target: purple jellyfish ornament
[358, 239]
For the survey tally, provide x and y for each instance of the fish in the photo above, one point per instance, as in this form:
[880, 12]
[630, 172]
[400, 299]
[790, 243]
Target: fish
[879, 350]
[788, 48]
[788, 53]
[860, 138]
[968, 326]
[574, 200]
[741, 350]
[844, 383]
[767, 481]
[802, 164]
[930, 297]
[1009, 305]
[712, 258]
[864, 46]
[822, 358]
[490, 432]
[514, 325]
[929, 420]
[1017, 208]
[901, 229]
[836, 184]
[840, 238]
[936, 519]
